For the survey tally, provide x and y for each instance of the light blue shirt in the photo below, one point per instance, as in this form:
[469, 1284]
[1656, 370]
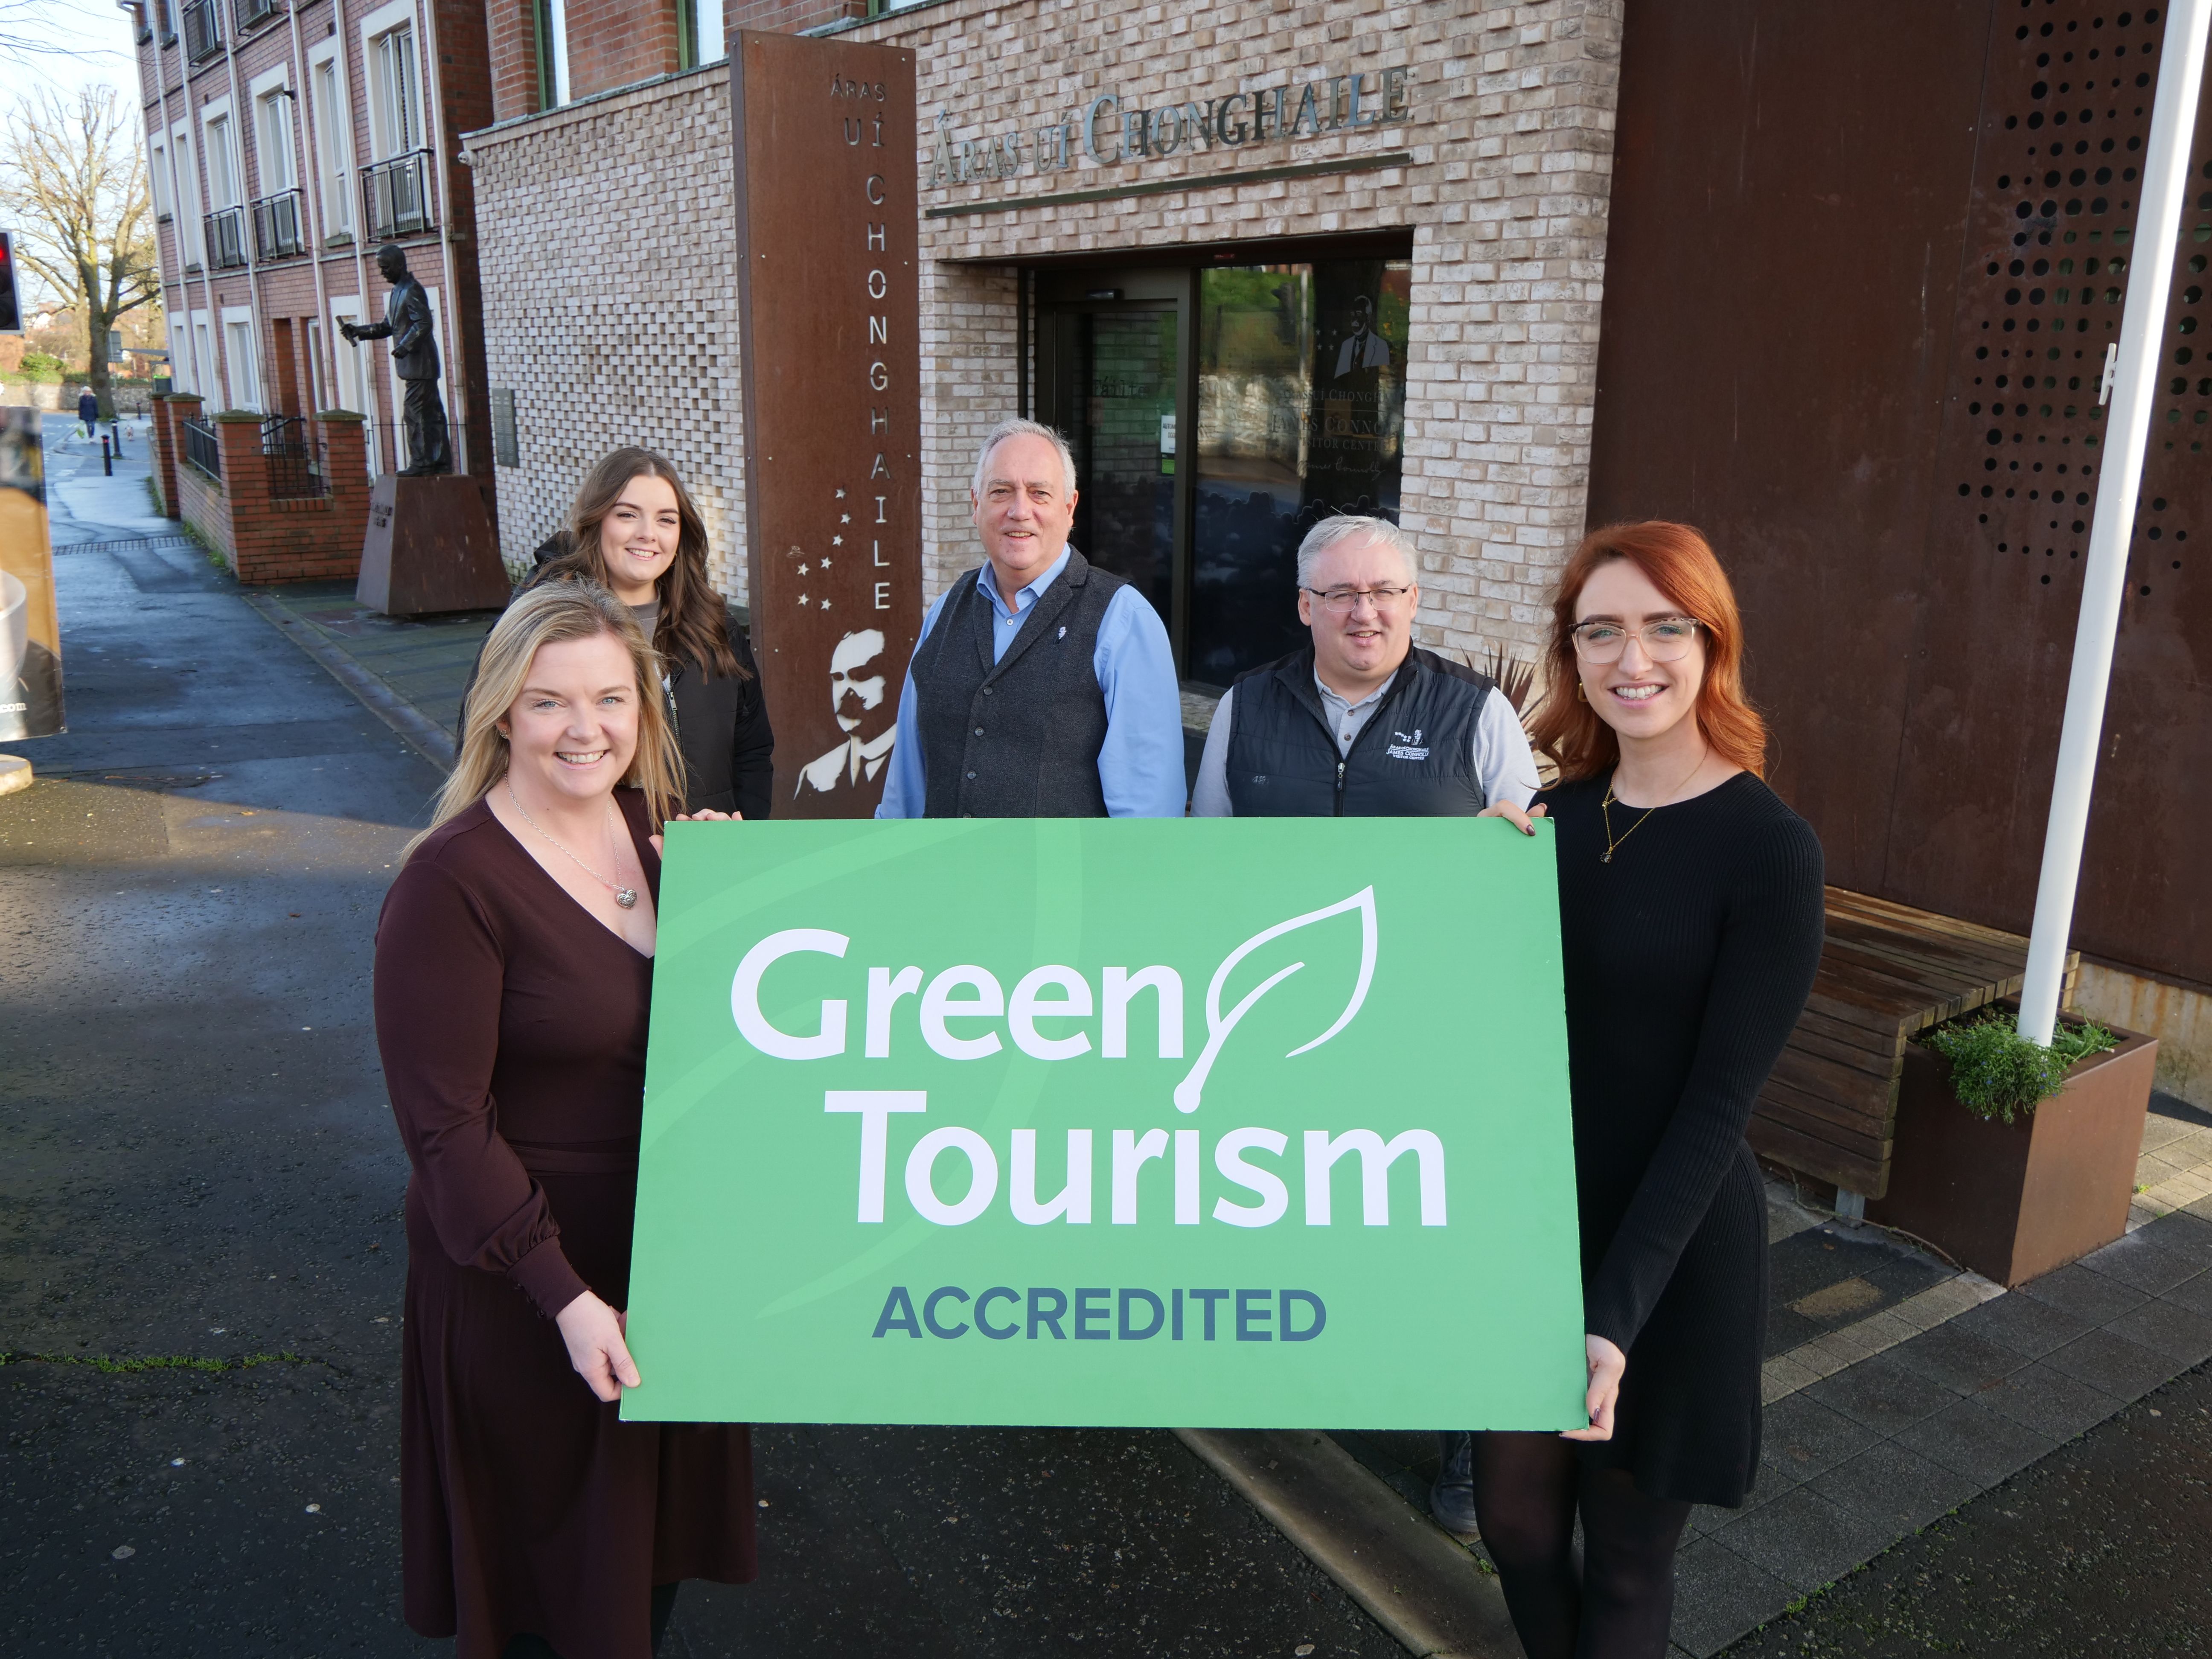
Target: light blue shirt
[1141, 766]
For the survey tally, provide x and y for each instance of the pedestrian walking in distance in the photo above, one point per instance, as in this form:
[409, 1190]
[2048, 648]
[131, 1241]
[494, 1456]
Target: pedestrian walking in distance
[513, 973]
[1041, 687]
[88, 411]
[636, 530]
[1690, 919]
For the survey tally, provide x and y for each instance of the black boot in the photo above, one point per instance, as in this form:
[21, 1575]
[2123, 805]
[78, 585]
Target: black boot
[1451, 1499]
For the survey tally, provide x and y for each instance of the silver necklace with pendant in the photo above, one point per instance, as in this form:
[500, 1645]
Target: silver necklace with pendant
[625, 896]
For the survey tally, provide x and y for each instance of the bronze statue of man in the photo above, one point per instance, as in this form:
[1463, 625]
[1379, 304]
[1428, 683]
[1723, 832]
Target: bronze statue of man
[413, 333]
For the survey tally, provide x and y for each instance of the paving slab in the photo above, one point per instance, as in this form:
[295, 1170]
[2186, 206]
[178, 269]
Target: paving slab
[1972, 1438]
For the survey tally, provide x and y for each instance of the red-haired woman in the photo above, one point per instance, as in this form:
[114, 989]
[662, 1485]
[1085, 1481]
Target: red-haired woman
[1690, 914]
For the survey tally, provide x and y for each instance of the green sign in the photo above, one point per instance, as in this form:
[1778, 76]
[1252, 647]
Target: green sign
[1231, 1122]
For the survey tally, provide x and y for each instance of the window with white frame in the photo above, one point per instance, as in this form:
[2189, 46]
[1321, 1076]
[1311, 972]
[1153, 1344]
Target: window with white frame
[272, 124]
[331, 118]
[245, 369]
[157, 174]
[551, 18]
[222, 164]
[395, 94]
[193, 232]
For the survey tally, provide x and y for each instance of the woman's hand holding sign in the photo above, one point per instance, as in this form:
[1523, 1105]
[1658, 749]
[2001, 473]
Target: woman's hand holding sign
[1524, 821]
[594, 1334]
[1607, 1366]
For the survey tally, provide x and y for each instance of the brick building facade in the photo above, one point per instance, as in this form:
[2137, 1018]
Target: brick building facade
[286, 143]
[1451, 161]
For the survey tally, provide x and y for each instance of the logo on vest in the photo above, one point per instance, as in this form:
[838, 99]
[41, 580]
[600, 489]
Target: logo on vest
[1407, 746]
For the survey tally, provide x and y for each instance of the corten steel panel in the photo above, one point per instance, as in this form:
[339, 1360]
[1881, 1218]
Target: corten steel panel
[830, 320]
[2068, 108]
[1788, 213]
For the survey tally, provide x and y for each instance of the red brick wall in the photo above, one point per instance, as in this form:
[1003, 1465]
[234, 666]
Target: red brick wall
[612, 43]
[298, 541]
[169, 444]
[788, 17]
[511, 30]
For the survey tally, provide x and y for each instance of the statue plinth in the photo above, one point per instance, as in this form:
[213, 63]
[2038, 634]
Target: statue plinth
[430, 547]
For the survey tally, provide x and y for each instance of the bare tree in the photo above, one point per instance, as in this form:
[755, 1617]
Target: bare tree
[71, 170]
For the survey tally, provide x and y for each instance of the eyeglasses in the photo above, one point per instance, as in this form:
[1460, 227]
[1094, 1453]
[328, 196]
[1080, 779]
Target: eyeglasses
[1667, 639]
[1343, 601]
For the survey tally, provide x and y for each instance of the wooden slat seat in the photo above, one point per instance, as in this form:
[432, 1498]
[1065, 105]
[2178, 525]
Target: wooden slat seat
[1887, 971]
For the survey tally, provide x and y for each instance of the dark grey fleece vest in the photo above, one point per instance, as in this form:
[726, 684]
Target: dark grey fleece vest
[1413, 758]
[1019, 738]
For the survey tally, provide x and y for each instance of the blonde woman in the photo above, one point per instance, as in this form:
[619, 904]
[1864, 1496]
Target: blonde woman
[514, 972]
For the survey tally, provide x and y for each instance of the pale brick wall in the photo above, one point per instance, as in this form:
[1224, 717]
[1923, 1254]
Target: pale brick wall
[1510, 133]
[611, 300]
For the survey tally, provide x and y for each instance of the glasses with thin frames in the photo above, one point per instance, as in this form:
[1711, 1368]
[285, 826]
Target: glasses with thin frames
[1666, 639]
[1343, 601]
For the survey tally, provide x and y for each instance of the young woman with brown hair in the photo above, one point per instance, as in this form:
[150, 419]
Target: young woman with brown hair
[513, 974]
[1690, 915]
[634, 530]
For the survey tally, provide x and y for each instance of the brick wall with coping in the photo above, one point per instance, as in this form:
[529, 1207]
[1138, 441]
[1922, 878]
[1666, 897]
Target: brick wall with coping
[266, 539]
[168, 411]
[1510, 134]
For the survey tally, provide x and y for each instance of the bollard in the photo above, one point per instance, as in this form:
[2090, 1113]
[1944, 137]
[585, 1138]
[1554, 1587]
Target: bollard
[107, 456]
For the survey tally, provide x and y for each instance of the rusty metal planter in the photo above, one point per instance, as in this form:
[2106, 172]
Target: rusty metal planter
[2013, 1201]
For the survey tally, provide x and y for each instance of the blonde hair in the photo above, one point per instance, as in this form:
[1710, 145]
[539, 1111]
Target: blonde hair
[554, 614]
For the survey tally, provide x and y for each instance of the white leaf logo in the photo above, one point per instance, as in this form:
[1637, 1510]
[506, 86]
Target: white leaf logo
[1219, 1026]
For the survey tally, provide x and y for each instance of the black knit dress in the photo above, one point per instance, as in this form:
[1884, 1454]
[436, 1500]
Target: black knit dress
[1688, 959]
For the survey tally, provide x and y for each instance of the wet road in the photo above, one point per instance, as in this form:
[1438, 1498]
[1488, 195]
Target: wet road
[201, 1257]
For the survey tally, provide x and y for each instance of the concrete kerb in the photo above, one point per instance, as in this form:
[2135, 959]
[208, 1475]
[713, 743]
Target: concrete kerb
[423, 733]
[1419, 1585]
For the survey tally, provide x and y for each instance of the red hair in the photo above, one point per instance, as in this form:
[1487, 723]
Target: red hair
[1680, 563]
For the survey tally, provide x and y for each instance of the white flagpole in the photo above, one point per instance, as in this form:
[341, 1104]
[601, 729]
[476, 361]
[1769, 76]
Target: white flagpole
[2104, 575]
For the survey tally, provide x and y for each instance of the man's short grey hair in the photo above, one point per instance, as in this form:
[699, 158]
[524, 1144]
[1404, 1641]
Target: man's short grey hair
[1017, 429]
[1354, 526]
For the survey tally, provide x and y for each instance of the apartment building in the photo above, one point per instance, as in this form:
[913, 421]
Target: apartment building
[287, 139]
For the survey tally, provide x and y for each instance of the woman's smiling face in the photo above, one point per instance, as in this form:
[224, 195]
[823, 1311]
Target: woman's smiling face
[1640, 698]
[572, 733]
[639, 538]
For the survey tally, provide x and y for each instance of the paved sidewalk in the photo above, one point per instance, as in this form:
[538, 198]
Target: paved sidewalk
[1897, 1387]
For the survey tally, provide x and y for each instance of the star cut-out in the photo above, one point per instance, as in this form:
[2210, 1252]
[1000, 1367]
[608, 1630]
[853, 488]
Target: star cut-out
[825, 604]
[802, 570]
[841, 495]
[802, 598]
[844, 518]
[837, 541]
[825, 561]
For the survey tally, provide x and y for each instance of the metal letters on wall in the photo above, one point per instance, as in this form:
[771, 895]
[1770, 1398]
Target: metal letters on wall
[829, 315]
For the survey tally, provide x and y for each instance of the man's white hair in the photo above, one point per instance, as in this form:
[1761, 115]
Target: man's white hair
[1354, 526]
[1018, 428]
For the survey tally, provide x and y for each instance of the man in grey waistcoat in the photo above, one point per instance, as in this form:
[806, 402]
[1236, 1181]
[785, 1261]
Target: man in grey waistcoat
[1042, 686]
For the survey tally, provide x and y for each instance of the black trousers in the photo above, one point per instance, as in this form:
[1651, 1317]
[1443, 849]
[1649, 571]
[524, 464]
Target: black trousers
[425, 417]
[537, 1647]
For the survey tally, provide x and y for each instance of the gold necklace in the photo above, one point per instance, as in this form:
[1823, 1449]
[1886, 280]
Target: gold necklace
[1605, 811]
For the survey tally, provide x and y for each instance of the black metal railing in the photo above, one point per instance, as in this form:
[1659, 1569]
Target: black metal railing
[225, 238]
[396, 196]
[296, 471]
[276, 226]
[203, 29]
[204, 449]
[249, 12]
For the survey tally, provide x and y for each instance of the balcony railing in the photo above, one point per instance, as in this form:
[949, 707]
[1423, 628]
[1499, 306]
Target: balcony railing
[276, 226]
[204, 449]
[249, 12]
[295, 461]
[203, 29]
[225, 238]
[396, 196]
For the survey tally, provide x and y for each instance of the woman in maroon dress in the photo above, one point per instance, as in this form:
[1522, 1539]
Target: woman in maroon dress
[514, 971]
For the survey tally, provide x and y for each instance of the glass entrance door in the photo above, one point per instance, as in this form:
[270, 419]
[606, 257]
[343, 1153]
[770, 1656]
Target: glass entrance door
[1111, 373]
[1301, 414]
[1216, 414]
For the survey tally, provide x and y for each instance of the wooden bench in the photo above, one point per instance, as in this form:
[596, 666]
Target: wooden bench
[1887, 971]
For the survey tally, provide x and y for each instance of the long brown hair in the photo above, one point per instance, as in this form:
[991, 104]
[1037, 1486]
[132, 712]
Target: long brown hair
[1680, 563]
[693, 626]
[550, 615]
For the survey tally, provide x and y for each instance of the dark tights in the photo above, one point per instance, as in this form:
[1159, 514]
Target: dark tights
[1528, 1489]
[537, 1647]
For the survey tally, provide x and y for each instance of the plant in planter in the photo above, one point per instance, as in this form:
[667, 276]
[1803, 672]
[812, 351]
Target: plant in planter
[2012, 1157]
[1997, 1072]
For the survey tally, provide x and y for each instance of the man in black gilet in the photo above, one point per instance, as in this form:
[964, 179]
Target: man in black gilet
[1041, 687]
[1364, 723]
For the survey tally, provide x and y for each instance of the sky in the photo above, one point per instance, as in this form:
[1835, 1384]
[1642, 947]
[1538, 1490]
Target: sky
[93, 42]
